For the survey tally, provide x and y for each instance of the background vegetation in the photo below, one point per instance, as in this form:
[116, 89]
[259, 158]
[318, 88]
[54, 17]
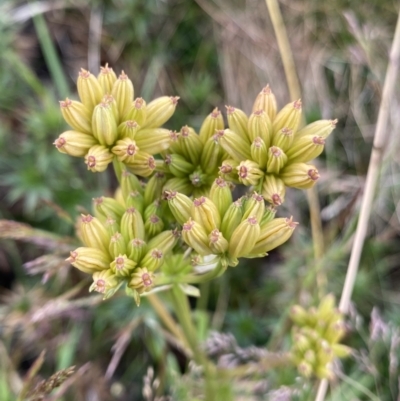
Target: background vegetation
[210, 53]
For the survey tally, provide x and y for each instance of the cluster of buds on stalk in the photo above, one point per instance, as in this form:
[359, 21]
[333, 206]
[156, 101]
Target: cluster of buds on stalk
[216, 225]
[110, 124]
[268, 150]
[316, 335]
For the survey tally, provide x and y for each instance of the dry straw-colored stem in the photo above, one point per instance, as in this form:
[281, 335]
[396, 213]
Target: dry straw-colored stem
[380, 140]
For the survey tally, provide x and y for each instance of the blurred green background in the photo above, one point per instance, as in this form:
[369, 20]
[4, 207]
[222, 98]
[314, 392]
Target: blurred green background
[210, 53]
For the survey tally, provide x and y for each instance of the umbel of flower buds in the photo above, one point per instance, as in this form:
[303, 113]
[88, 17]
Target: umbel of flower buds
[108, 123]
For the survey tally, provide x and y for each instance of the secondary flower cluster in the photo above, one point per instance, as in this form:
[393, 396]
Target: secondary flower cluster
[316, 335]
[109, 123]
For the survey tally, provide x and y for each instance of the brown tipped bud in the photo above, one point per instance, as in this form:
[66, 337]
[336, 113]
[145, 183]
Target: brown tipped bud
[235, 145]
[299, 175]
[153, 259]
[117, 245]
[205, 213]
[269, 215]
[76, 115]
[305, 148]
[244, 237]
[135, 199]
[228, 170]
[89, 89]
[238, 122]
[221, 195]
[273, 234]
[89, 260]
[276, 160]
[108, 207]
[153, 225]
[154, 187]
[179, 204]
[142, 165]
[93, 233]
[232, 218]
[141, 280]
[153, 141]
[104, 126]
[211, 155]
[218, 244]
[123, 93]
[213, 122]
[191, 145]
[181, 185]
[260, 126]
[129, 184]
[132, 225]
[98, 158]
[137, 111]
[165, 241]
[288, 117]
[125, 150]
[273, 190]
[196, 237]
[111, 225]
[122, 266]
[112, 103]
[254, 207]
[322, 128]
[266, 101]
[105, 282]
[128, 129]
[249, 172]
[259, 152]
[299, 315]
[178, 165]
[160, 110]
[74, 143]
[283, 139]
[106, 79]
[136, 248]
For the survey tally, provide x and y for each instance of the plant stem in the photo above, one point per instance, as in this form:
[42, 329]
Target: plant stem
[380, 139]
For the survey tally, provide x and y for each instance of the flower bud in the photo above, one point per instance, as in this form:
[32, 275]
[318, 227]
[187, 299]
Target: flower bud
[196, 237]
[238, 122]
[98, 158]
[268, 216]
[136, 248]
[249, 173]
[104, 126]
[340, 350]
[105, 282]
[260, 126]
[211, 155]
[299, 315]
[153, 140]
[76, 115]
[141, 280]
[228, 170]
[191, 144]
[326, 308]
[142, 165]
[299, 175]
[217, 243]
[164, 241]
[117, 245]
[106, 79]
[93, 233]
[109, 207]
[205, 213]
[258, 150]
[132, 225]
[178, 165]
[199, 180]
[154, 187]
[123, 93]
[322, 128]
[125, 150]
[288, 117]
[89, 89]
[236, 146]
[137, 111]
[89, 260]
[153, 259]
[135, 199]
[276, 160]
[74, 143]
[244, 237]
[273, 234]
[273, 190]
[179, 204]
[254, 207]
[122, 266]
[128, 129]
[266, 101]
[231, 219]
[305, 148]
[283, 139]
[129, 183]
[160, 110]
[213, 122]
[112, 103]
[153, 208]
[181, 185]
[221, 195]
[153, 225]
[111, 225]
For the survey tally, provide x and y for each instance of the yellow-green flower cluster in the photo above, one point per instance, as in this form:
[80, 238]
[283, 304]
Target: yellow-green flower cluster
[192, 161]
[216, 225]
[316, 336]
[108, 123]
[268, 151]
